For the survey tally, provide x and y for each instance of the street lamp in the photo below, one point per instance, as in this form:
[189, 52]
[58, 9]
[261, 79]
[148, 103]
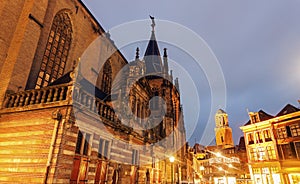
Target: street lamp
[172, 159]
[218, 154]
[202, 168]
[220, 169]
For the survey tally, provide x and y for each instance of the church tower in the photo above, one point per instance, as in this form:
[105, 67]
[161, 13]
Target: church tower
[152, 56]
[223, 131]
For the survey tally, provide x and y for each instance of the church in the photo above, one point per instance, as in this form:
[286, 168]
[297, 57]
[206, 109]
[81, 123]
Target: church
[118, 124]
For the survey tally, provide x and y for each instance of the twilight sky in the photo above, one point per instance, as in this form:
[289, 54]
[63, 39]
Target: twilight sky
[256, 43]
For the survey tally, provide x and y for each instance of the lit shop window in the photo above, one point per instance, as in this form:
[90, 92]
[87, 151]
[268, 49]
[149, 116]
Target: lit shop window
[261, 153]
[271, 152]
[253, 154]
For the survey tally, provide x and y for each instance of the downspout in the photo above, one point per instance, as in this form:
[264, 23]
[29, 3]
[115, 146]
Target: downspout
[57, 116]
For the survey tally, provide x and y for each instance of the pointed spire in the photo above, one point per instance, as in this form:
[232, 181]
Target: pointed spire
[166, 65]
[152, 55]
[177, 84]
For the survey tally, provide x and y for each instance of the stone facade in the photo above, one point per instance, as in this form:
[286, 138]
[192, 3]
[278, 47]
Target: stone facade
[60, 126]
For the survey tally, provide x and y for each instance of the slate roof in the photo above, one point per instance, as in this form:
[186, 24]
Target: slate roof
[262, 116]
[220, 111]
[85, 84]
[152, 56]
[242, 145]
[287, 110]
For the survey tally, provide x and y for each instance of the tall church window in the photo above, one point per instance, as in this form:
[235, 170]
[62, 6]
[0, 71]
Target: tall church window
[154, 105]
[57, 50]
[106, 78]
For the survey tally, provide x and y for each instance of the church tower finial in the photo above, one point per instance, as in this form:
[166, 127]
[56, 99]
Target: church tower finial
[153, 22]
[153, 61]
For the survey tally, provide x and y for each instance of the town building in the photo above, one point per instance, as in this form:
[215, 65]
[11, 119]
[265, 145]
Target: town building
[60, 125]
[273, 146]
[224, 162]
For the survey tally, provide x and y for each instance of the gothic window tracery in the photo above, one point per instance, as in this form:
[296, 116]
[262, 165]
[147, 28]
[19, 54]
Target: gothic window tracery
[57, 50]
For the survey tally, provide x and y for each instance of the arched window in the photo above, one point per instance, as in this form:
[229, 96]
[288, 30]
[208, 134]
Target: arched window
[57, 50]
[154, 105]
[106, 78]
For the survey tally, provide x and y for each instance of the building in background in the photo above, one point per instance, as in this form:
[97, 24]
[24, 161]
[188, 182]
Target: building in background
[273, 146]
[223, 162]
[59, 125]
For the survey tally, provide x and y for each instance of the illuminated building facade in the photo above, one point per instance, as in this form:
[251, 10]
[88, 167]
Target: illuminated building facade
[273, 146]
[59, 126]
[222, 131]
[224, 162]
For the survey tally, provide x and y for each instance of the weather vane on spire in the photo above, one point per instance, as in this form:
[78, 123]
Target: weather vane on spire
[153, 23]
